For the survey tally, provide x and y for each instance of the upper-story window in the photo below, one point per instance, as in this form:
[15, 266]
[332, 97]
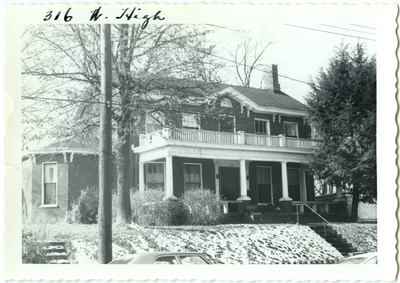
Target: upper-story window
[261, 126]
[190, 121]
[227, 124]
[49, 189]
[154, 122]
[225, 102]
[291, 129]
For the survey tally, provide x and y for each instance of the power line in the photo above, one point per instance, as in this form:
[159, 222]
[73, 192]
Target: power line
[362, 26]
[347, 29]
[331, 32]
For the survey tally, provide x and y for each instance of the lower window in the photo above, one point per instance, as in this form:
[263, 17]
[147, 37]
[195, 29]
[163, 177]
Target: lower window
[49, 184]
[155, 175]
[192, 176]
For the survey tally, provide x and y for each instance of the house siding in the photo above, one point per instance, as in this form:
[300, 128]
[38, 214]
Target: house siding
[208, 173]
[78, 181]
[243, 123]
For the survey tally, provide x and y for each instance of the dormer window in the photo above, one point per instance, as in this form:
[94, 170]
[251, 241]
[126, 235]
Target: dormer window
[225, 102]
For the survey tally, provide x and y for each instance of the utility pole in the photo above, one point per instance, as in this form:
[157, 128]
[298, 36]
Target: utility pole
[105, 166]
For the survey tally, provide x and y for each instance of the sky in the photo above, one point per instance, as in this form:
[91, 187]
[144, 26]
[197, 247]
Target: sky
[305, 38]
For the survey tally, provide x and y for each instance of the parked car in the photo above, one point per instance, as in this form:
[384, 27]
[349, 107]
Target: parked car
[366, 258]
[162, 258]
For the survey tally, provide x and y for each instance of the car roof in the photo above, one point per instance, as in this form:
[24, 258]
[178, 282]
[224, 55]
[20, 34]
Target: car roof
[372, 254]
[150, 256]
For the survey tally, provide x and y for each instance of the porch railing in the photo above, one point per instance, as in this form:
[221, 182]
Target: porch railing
[241, 138]
[326, 222]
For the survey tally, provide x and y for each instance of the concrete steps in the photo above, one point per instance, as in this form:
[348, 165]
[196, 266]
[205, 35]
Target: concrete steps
[334, 238]
[56, 252]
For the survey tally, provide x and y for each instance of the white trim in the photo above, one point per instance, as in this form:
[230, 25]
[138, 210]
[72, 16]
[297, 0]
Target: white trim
[289, 122]
[238, 96]
[197, 119]
[43, 173]
[268, 126]
[201, 173]
[270, 178]
[226, 102]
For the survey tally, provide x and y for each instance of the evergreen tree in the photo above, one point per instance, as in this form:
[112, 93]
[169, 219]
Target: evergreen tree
[342, 107]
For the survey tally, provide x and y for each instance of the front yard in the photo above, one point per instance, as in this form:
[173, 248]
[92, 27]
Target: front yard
[223, 244]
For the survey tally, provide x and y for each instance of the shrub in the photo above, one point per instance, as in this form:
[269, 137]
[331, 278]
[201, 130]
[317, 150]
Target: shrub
[149, 208]
[203, 207]
[85, 207]
[33, 246]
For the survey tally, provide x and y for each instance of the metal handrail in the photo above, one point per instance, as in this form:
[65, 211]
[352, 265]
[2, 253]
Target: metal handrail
[319, 215]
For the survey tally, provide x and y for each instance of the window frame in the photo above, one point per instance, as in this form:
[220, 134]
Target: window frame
[226, 102]
[149, 119]
[291, 123]
[195, 117]
[271, 182]
[227, 116]
[298, 175]
[43, 185]
[154, 162]
[268, 126]
[201, 174]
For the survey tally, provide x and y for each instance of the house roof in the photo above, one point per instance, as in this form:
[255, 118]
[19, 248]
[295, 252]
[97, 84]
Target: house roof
[75, 145]
[269, 98]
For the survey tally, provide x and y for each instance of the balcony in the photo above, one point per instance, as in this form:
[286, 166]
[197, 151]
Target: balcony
[239, 138]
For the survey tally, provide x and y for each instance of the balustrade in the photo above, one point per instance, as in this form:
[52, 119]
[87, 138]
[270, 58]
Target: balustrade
[226, 138]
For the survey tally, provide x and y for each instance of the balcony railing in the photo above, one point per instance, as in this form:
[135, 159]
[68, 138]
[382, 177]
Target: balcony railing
[240, 138]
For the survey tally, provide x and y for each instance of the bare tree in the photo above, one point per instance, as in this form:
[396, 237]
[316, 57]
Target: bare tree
[247, 58]
[154, 70]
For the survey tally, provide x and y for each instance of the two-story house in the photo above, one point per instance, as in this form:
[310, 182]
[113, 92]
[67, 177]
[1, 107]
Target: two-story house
[252, 151]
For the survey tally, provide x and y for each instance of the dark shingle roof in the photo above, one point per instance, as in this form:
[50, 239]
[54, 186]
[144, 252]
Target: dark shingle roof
[269, 98]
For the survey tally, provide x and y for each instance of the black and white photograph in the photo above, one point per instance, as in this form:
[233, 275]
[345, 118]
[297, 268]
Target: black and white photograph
[257, 142]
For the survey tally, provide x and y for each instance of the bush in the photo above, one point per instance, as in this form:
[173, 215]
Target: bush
[203, 207]
[33, 247]
[85, 207]
[149, 208]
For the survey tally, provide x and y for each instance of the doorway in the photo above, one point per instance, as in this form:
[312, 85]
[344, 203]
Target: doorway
[229, 178]
[264, 185]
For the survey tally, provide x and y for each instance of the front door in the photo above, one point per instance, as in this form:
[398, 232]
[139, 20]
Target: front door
[264, 185]
[229, 183]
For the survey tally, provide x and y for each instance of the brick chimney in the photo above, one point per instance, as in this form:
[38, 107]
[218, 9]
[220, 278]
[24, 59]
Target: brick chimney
[275, 80]
[270, 79]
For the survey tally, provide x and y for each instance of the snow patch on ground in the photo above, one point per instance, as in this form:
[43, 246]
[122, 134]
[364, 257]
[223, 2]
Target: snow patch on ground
[223, 244]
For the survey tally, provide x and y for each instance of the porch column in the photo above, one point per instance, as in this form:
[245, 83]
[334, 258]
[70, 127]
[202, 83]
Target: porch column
[285, 202]
[243, 181]
[141, 176]
[339, 193]
[169, 177]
